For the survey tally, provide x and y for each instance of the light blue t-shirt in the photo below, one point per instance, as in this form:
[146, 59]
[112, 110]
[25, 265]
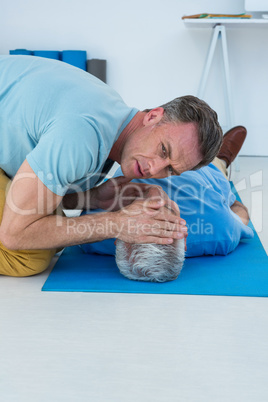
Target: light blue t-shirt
[204, 197]
[63, 120]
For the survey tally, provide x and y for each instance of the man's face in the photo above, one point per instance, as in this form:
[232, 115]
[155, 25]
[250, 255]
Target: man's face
[159, 150]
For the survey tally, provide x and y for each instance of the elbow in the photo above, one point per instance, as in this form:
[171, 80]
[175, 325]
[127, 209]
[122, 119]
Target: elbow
[9, 241]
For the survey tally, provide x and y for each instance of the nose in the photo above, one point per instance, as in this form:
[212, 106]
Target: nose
[157, 166]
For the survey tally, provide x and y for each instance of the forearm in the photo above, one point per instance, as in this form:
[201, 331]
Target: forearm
[239, 209]
[54, 231]
[80, 200]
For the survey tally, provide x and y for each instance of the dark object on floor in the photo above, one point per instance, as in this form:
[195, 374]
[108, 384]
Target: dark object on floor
[232, 143]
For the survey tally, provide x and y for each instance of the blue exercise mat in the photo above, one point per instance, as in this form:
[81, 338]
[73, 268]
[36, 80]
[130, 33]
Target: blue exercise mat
[244, 272]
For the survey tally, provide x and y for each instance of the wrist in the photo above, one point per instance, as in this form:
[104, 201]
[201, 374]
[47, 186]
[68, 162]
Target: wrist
[91, 199]
[103, 226]
[111, 224]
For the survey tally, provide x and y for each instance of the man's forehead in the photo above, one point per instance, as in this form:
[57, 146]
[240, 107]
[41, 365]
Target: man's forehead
[184, 147]
[185, 161]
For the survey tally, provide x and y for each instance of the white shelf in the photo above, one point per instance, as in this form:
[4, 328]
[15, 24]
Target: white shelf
[230, 22]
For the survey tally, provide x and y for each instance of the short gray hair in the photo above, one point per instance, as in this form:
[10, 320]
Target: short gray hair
[150, 262]
[189, 109]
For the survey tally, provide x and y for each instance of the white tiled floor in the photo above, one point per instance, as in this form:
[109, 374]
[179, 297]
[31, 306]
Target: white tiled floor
[125, 347]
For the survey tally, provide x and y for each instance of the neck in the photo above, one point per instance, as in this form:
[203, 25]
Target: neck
[133, 125]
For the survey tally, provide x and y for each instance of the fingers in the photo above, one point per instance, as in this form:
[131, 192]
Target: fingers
[146, 229]
[143, 207]
[154, 203]
[154, 239]
[145, 221]
[168, 234]
[153, 208]
[154, 196]
[166, 216]
[156, 192]
[175, 207]
[140, 228]
[174, 231]
[185, 245]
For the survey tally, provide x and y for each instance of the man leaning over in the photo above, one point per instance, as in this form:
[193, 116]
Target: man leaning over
[60, 128]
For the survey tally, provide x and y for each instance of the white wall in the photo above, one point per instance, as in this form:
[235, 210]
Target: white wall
[152, 57]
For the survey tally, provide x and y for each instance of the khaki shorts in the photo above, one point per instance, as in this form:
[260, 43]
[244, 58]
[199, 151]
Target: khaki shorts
[20, 262]
[220, 164]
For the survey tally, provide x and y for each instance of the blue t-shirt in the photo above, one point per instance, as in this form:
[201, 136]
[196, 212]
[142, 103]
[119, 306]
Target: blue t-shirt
[204, 198]
[63, 120]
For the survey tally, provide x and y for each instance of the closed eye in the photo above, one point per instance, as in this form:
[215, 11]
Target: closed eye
[164, 151]
[170, 168]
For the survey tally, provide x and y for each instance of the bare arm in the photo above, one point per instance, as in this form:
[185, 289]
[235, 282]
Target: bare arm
[239, 209]
[28, 221]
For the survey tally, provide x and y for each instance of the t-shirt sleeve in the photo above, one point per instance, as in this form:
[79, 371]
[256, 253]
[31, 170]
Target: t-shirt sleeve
[231, 198]
[66, 152]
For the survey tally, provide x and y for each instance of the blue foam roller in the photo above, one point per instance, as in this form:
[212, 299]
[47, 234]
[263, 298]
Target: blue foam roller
[21, 51]
[49, 54]
[77, 58]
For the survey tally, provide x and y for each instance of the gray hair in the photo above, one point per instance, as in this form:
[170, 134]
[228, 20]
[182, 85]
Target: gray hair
[150, 262]
[189, 109]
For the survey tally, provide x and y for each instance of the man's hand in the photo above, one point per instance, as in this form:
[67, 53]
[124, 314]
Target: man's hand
[145, 221]
[241, 210]
[157, 193]
[141, 217]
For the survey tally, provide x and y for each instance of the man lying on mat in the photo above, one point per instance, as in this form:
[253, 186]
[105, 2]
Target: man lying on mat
[216, 222]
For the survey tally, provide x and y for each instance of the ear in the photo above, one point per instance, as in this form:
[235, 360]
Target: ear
[153, 116]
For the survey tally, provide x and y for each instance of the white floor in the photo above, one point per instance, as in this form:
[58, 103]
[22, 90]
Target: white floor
[126, 347]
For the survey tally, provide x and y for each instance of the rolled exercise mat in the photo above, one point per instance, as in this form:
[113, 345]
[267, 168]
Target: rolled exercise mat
[77, 58]
[21, 51]
[49, 54]
[97, 67]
